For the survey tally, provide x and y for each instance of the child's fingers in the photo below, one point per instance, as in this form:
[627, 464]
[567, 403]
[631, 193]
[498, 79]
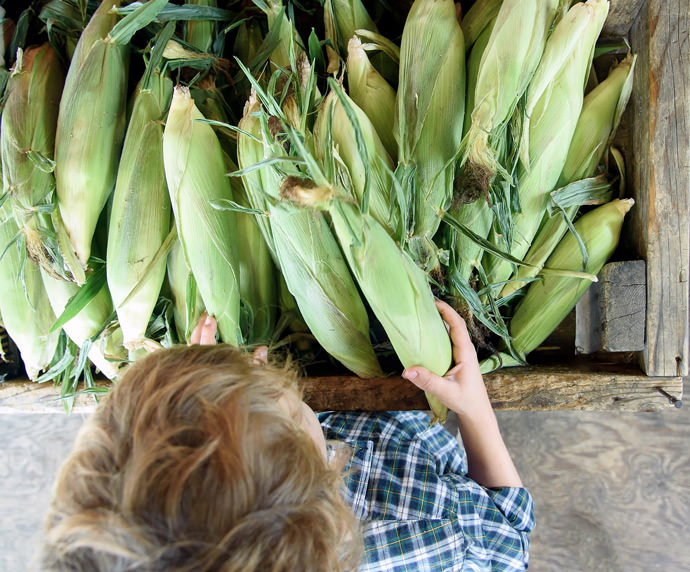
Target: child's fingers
[260, 355]
[459, 336]
[204, 333]
[444, 388]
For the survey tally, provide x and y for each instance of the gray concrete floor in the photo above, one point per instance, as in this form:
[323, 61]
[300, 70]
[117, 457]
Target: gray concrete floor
[612, 490]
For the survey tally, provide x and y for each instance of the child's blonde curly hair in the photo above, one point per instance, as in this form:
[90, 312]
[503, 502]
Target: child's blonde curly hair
[191, 464]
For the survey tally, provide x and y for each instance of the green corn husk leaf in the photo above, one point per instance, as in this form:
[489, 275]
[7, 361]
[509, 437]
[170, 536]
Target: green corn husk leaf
[309, 258]
[248, 41]
[552, 111]
[288, 40]
[258, 273]
[429, 113]
[140, 214]
[250, 152]
[26, 313]
[508, 62]
[195, 173]
[475, 214]
[372, 93]
[344, 18]
[479, 17]
[201, 33]
[27, 139]
[91, 127]
[601, 112]
[550, 300]
[258, 279]
[187, 303]
[343, 128]
[105, 351]
[473, 62]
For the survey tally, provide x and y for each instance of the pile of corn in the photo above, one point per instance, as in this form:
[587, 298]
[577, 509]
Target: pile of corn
[160, 159]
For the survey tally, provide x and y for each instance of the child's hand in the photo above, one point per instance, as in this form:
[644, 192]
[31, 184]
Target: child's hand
[204, 332]
[462, 389]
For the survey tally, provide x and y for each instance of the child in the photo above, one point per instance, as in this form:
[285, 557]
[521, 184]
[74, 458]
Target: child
[205, 458]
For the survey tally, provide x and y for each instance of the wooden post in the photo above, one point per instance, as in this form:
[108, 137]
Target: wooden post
[660, 165]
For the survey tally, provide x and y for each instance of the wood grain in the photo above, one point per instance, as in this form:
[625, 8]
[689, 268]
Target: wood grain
[611, 314]
[611, 491]
[622, 14]
[660, 165]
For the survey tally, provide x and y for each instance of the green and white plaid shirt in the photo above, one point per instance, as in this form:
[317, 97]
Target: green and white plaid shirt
[407, 482]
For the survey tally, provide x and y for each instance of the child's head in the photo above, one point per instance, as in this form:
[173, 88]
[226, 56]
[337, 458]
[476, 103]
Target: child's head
[198, 460]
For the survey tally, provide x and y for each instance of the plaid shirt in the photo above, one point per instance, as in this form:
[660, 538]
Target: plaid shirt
[407, 483]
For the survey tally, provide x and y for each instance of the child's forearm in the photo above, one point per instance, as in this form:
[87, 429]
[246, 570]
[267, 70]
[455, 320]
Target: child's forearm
[488, 460]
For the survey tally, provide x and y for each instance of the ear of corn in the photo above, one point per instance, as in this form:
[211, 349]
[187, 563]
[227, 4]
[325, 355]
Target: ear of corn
[200, 33]
[369, 167]
[554, 102]
[91, 127]
[600, 230]
[29, 120]
[475, 214]
[288, 39]
[196, 176]
[508, 62]
[429, 113]
[140, 214]
[26, 313]
[106, 351]
[309, 258]
[341, 19]
[187, 303]
[478, 18]
[381, 268]
[372, 93]
[601, 111]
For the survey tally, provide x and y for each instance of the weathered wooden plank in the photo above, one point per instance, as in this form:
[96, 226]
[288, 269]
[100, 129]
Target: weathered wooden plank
[622, 14]
[588, 386]
[660, 167]
[543, 388]
[611, 314]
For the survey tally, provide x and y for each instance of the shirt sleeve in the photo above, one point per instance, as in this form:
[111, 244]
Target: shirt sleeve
[504, 521]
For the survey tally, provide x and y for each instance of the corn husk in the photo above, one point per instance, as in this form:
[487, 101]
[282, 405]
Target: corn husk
[26, 313]
[105, 351]
[429, 114]
[201, 33]
[355, 141]
[554, 102]
[372, 93]
[601, 112]
[90, 131]
[600, 230]
[196, 176]
[140, 214]
[508, 62]
[308, 255]
[187, 303]
[382, 271]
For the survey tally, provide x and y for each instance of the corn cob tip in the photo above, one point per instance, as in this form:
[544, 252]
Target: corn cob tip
[305, 193]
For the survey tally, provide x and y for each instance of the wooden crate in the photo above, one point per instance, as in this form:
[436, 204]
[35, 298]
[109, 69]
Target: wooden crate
[655, 140]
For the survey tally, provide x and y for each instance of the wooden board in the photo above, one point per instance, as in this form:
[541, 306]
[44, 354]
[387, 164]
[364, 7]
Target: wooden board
[611, 490]
[660, 166]
[593, 386]
[622, 14]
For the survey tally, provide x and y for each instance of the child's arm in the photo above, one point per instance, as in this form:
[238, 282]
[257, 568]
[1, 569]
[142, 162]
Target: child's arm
[462, 390]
